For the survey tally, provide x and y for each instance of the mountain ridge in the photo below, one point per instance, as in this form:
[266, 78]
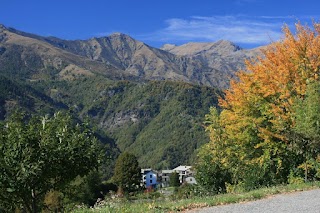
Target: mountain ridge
[193, 48]
[122, 57]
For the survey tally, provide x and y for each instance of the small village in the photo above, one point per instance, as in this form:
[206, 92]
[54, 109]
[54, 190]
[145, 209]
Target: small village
[152, 179]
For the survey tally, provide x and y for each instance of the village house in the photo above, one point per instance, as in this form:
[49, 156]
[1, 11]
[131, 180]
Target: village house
[165, 177]
[186, 174]
[149, 178]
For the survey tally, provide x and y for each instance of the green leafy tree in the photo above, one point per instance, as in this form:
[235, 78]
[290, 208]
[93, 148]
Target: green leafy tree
[174, 179]
[210, 173]
[42, 154]
[127, 172]
[306, 131]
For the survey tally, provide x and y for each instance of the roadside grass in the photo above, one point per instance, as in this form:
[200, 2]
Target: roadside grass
[165, 205]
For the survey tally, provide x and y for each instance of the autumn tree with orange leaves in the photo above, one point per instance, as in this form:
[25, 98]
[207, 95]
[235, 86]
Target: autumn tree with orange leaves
[257, 120]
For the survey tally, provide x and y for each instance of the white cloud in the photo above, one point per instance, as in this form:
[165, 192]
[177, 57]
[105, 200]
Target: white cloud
[239, 29]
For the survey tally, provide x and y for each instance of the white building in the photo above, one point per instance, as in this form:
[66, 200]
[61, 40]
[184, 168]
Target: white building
[184, 173]
[191, 180]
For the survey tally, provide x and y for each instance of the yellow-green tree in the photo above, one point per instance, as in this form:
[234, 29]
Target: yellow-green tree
[258, 108]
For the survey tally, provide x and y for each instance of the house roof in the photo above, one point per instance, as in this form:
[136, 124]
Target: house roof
[144, 171]
[182, 168]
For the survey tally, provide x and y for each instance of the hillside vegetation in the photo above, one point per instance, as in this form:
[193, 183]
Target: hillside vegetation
[19, 95]
[159, 121]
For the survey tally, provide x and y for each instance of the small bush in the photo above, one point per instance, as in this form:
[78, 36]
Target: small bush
[236, 188]
[293, 178]
[186, 191]
[53, 201]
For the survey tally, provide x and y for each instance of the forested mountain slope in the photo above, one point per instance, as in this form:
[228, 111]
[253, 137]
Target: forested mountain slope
[159, 121]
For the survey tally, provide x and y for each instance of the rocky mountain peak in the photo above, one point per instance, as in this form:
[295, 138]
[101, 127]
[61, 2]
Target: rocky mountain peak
[194, 48]
[117, 34]
[121, 40]
[228, 44]
[120, 36]
[168, 47]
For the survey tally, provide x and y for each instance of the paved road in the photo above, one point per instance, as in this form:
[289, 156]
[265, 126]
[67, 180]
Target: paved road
[307, 201]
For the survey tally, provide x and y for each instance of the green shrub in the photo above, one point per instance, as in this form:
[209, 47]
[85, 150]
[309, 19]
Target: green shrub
[293, 178]
[210, 174]
[53, 201]
[235, 188]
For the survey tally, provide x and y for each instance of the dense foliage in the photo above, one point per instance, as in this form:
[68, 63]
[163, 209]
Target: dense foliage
[160, 122]
[16, 94]
[42, 154]
[305, 135]
[211, 175]
[174, 179]
[252, 137]
[127, 173]
[84, 191]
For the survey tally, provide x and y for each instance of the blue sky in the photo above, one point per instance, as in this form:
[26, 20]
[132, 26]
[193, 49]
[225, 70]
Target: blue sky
[248, 23]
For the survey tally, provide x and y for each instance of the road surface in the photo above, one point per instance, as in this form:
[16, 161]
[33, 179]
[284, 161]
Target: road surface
[306, 201]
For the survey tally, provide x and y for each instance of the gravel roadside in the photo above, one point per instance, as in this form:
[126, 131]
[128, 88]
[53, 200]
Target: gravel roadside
[305, 201]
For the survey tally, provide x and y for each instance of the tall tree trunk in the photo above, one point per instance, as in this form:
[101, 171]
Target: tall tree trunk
[34, 203]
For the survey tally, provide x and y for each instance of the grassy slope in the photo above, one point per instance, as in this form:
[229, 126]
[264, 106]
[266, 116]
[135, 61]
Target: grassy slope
[197, 202]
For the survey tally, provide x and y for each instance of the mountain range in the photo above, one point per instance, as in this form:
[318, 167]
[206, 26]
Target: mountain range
[147, 100]
[119, 56]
